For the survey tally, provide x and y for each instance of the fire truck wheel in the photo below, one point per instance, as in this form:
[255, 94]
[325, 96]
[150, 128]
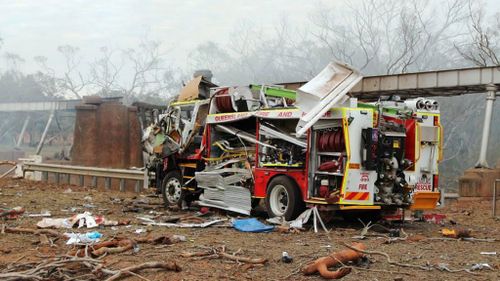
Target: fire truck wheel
[284, 199]
[255, 202]
[172, 188]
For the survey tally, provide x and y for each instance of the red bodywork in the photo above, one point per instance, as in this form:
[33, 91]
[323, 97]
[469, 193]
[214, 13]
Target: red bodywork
[264, 175]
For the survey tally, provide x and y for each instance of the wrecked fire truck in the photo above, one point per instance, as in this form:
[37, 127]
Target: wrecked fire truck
[230, 147]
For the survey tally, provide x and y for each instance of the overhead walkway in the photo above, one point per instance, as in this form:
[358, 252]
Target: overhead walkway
[56, 105]
[50, 106]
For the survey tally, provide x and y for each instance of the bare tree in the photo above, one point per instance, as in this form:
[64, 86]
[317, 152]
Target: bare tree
[482, 46]
[46, 77]
[253, 55]
[131, 73]
[14, 61]
[210, 55]
[105, 72]
[146, 67]
[73, 81]
[389, 36]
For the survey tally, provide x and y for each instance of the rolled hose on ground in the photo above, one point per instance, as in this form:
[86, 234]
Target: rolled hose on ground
[321, 265]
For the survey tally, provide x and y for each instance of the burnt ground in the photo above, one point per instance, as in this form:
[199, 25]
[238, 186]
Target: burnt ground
[304, 246]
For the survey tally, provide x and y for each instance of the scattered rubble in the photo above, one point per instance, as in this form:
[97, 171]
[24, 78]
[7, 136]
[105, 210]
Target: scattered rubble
[198, 224]
[81, 220]
[66, 268]
[456, 233]
[83, 238]
[286, 258]
[144, 238]
[251, 225]
[11, 214]
[220, 252]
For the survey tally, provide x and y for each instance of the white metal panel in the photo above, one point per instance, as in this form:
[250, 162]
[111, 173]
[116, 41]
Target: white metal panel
[358, 180]
[324, 83]
[328, 89]
[426, 165]
[359, 122]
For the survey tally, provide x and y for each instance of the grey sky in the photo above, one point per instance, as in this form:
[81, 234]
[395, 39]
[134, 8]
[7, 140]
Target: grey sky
[36, 27]
[31, 28]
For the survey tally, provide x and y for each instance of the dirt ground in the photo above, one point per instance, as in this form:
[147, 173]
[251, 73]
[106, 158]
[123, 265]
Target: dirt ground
[304, 247]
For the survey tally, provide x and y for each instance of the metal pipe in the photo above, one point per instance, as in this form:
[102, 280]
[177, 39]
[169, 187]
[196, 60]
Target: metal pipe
[42, 140]
[21, 135]
[8, 172]
[442, 198]
[85, 171]
[490, 99]
[495, 198]
[242, 134]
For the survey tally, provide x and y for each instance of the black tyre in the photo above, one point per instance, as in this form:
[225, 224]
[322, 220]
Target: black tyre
[171, 188]
[284, 198]
[255, 202]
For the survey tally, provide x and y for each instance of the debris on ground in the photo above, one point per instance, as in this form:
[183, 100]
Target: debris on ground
[480, 266]
[140, 230]
[85, 219]
[251, 225]
[342, 257]
[123, 244]
[288, 229]
[434, 218]
[43, 213]
[75, 268]
[139, 205]
[426, 267]
[286, 258]
[297, 224]
[54, 223]
[205, 223]
[456, 233]
[220, 252]
[292, 226]
[424, 255]
[489, 253]
[83, 238]
[12, 169]
[11, 214]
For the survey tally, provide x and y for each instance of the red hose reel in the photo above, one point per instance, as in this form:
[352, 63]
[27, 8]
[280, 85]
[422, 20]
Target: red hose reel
[223, 101]
[331, 141]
